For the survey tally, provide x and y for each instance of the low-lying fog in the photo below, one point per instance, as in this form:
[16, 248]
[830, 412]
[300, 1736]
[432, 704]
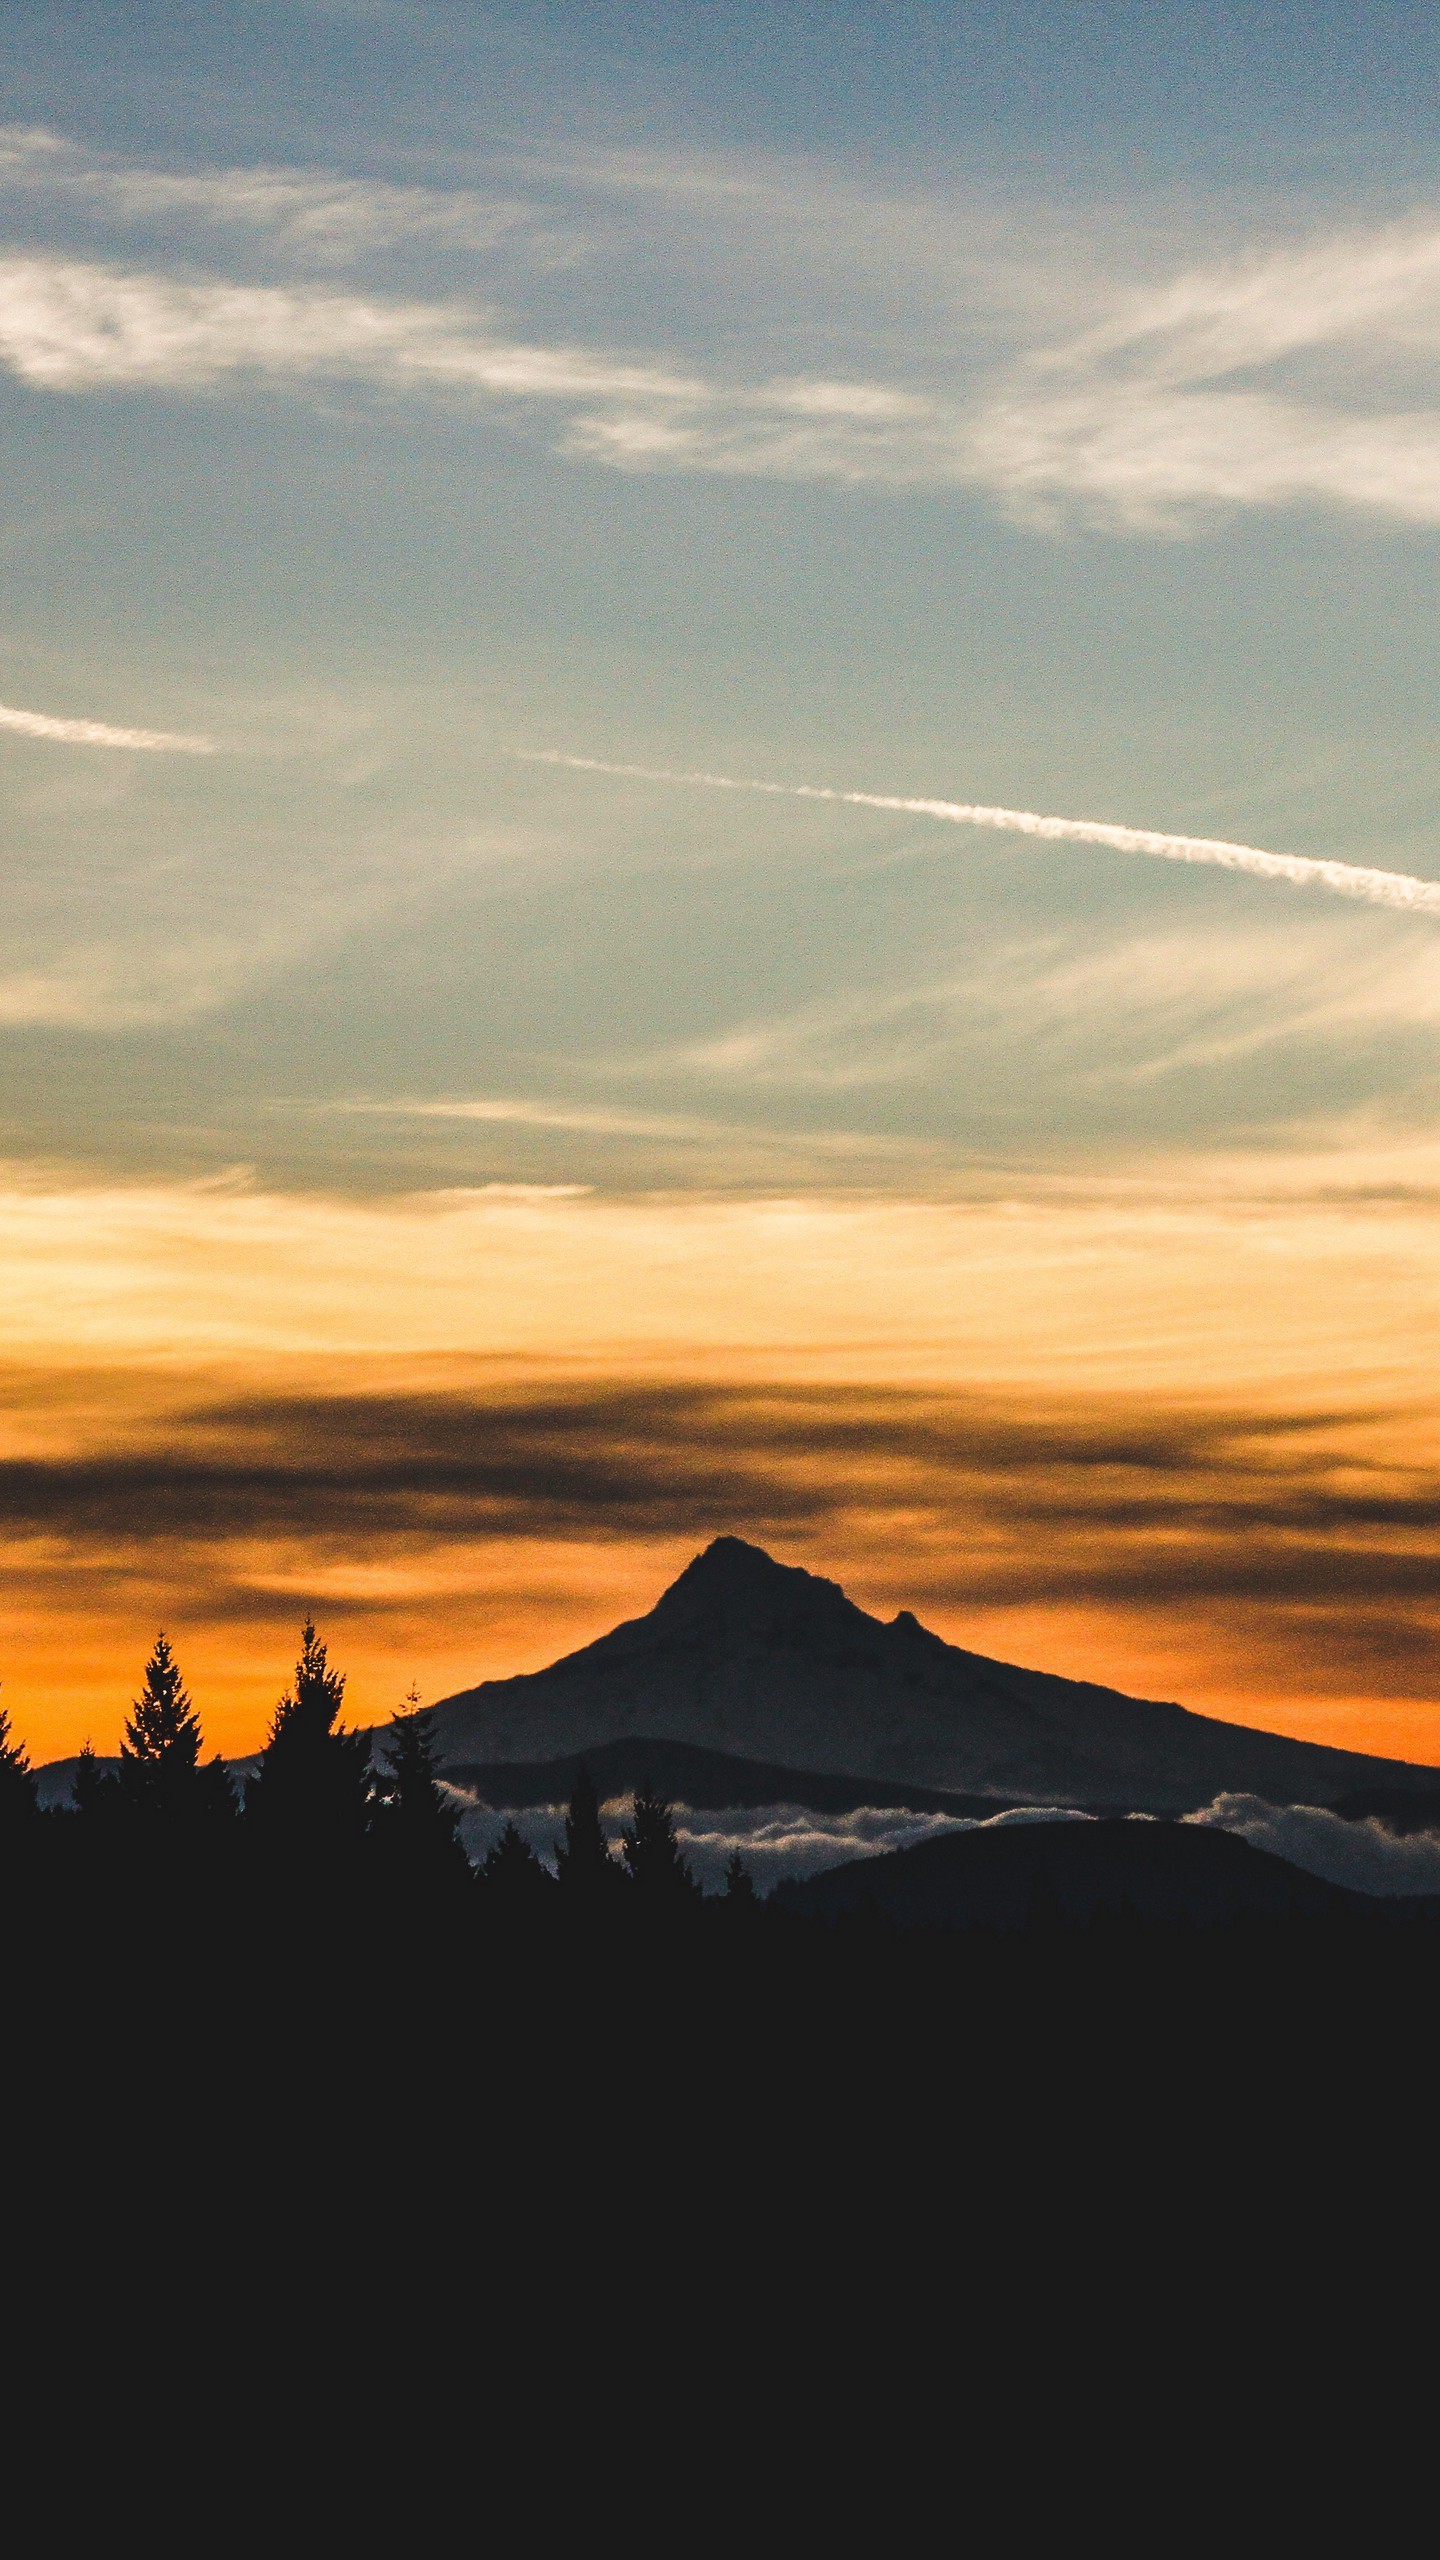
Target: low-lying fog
[783, 1840]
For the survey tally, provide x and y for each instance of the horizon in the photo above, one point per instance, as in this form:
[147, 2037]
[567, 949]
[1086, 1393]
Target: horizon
[701, 1557]
[681, 707]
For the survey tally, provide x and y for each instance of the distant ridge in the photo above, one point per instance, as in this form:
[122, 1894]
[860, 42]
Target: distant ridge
[768, 1663]
[1072, 1871]
[686, 1773]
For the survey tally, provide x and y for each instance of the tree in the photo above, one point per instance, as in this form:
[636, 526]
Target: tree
[739, 1882]
[584, 1867]
[417, 1826]
[18, 1800]
[652, 1852]
[91, 1791]
[511, 1869]
[160, 1752]
[312, 1790]
[215, 1791]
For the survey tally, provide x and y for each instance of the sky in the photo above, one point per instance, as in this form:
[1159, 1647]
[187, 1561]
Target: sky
[444, 1184]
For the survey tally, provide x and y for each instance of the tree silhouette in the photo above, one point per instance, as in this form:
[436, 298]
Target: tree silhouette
[18, 1800]
[215, 1792]
[511, 1869]
[312, 1790]
[584, 1867]
[739, 1882]
[160, 1752]
[91, 1791]
[652, 1853]
[417, 1826]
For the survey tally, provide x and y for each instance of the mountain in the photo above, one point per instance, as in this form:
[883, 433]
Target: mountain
[1150, 1871]
[766, 1662]
[686, 1773]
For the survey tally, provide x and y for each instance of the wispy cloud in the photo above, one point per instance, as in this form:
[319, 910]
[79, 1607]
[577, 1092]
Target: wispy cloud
[1396, 889]
[73, 325]
[1307, 373]
[1266, 379]
[99, 733]
[69, 325]
[316, 214]
[759, 1147]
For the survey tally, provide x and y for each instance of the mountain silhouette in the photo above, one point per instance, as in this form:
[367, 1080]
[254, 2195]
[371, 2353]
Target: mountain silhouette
[1071, 1871]
[686, 1773]
[766, 1662]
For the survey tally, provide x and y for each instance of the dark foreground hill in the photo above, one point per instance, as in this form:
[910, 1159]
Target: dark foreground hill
[1071, 1871]
[767, 1663]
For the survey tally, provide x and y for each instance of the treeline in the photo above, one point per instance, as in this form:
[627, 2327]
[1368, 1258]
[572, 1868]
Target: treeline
[289, 2027]
[319, 1806]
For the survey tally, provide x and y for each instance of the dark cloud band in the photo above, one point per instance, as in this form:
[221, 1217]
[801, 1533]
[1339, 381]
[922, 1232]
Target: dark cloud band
[1005, 1501]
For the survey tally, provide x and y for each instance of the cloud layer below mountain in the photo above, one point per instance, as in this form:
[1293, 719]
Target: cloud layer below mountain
[780, 1841]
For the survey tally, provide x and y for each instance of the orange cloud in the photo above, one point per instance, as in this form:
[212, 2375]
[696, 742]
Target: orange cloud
[1183, 1450]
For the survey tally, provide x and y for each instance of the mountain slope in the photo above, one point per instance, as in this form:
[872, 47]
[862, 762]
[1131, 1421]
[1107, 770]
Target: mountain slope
[686, 1773]
[1152, 1871]
[767, 1662]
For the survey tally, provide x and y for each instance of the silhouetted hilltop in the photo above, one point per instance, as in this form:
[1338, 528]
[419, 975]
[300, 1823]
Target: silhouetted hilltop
[767, 1663]
[1073, 1871]
[686, 1773]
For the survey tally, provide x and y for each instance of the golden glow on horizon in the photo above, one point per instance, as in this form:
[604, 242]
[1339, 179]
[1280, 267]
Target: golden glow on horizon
[226, 1329]
[1233, 1283]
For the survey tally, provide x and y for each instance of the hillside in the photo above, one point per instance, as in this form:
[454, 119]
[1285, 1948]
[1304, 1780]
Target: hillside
[1073, 1871]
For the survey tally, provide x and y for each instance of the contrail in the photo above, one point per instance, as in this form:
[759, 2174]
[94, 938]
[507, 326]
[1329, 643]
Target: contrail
[1346, 879]
[96, 733]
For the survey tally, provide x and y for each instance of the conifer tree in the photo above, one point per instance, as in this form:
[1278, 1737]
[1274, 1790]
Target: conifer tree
[739, 1882]
[91, 1791]
[652, 1852]
[312, 1790]
[160, 1752]
[583, 1865]
[18, 1800]
[512, 1870]
[215, 1791]
[417, 1826]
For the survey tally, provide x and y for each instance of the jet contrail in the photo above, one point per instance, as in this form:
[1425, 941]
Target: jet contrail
[96, 733]
[1346, 879]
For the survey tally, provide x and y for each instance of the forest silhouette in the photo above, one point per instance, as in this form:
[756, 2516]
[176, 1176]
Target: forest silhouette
[300, 1994]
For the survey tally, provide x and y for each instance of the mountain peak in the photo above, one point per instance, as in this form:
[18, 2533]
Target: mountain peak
[731, 1577]
[733, 1561]
[766, 1662]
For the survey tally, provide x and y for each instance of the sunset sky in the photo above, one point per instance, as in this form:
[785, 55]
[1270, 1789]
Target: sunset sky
[442, 1188]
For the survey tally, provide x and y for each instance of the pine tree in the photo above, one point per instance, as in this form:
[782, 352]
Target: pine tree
[583, 1865]
[739, 1882]
[18, 1800]
[215, 1789]
[160, 1752]
[418, 1828]
[311, 1793]
[652, 1853]
[511, 1869]
[91, 1791]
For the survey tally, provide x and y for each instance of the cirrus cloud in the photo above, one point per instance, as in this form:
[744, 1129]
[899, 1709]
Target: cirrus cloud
[100, 733]
[1298, 371]
[1302, 375]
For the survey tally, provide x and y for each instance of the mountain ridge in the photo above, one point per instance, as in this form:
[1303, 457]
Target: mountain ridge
[1129, 1871]
[768, 1662]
